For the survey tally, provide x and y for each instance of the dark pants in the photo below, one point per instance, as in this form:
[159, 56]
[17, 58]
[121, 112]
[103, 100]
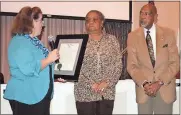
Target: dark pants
[103, 107]
[41, 108]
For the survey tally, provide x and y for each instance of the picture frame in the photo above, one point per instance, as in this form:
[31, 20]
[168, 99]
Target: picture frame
[71, 49]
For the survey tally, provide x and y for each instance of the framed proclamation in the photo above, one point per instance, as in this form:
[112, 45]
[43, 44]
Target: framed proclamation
[71, 49]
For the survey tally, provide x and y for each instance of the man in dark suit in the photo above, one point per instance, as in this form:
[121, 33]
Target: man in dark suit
[153, 62]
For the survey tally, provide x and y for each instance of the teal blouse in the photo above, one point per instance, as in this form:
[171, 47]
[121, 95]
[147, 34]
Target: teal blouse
[28, 83]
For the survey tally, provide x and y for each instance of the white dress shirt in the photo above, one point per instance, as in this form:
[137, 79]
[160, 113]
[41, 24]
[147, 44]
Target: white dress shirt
[153, 37]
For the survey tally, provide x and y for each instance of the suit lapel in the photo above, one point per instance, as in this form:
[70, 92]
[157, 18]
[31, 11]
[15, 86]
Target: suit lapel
[159, 44]
[144, 48]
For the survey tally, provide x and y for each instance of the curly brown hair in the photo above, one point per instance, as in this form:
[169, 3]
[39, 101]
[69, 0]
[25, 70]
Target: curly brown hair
[23, 22]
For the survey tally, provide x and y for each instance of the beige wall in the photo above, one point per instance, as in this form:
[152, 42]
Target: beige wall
[168, 14]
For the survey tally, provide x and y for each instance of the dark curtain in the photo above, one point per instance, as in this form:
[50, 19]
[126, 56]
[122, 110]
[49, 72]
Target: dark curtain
[0, 40]
[120, 30]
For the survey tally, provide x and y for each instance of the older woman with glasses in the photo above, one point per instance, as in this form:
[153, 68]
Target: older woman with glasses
[100, 71]
[30, 87]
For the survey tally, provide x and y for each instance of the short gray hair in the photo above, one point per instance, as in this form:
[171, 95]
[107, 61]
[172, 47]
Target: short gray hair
[101, 16]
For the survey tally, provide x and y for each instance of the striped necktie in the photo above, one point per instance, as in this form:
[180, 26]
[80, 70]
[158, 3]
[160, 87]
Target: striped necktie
[150, 48]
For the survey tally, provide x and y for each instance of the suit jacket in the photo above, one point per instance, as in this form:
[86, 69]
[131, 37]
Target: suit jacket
[166, 66]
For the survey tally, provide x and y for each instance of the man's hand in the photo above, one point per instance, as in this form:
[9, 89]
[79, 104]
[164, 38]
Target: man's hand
[148, 89]
[152, 88]
[155, 87]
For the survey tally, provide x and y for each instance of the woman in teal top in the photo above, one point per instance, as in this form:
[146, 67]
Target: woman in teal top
[30, 87]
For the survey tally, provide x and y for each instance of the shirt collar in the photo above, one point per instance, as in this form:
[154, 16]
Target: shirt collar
[152, 29]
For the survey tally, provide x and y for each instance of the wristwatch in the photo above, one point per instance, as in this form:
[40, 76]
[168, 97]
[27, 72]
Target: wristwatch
[145, 83]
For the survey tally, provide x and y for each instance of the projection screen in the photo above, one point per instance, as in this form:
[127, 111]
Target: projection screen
[111, 10]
